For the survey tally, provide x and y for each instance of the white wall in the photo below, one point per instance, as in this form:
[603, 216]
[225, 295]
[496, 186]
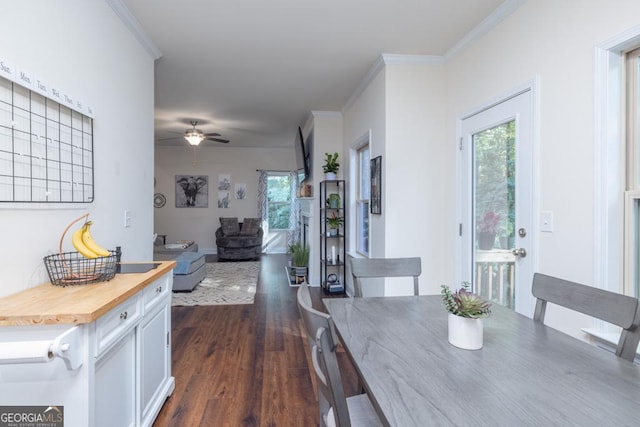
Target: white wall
[327, 138]
[416, 223]
[403, 106]
[82, 47]
[367, 114]
[549, 42]
[553, 42]
[241, 164]
[365, 117]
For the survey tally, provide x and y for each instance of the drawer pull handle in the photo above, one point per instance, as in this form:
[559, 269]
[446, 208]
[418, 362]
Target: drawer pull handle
[158, 289]
[123, 315]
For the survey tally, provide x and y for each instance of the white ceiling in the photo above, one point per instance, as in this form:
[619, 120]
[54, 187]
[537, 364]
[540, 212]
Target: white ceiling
[253, 70]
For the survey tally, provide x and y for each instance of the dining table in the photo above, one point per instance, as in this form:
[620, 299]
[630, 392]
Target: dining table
[526, 373]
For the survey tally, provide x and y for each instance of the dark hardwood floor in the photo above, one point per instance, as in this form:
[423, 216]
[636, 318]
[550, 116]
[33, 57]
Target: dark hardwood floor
[246, 365]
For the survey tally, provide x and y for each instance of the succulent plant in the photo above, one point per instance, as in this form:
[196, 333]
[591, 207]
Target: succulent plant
[464, 303]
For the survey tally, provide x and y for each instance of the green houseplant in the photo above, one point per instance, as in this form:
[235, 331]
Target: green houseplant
[299, 262]
[299, 255]
[331, 165]
[334, 222]
[466, 311]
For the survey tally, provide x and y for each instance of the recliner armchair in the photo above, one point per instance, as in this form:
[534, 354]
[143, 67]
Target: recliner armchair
[239, 240]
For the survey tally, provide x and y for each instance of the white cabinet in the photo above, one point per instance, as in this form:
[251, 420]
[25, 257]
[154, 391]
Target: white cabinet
[124, 372]
[133, 358]
[112, 326]
[155, 361]
[115, 384]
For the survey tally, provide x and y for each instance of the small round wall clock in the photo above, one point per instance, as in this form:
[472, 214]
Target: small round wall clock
[159, 200]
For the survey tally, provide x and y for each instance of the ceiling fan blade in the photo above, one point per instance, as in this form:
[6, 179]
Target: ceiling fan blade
[168, 139]
[212, 134]
[224, 141]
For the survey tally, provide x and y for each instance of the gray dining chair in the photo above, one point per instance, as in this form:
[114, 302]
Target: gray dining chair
[312, 318]
[384, 267]
[617, 309]
[343, 411]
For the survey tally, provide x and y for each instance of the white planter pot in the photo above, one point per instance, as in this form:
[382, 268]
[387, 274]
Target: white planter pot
[465, 333]
[330, 176]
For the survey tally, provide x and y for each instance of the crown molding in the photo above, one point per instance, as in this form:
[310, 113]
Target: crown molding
[395, 59]
[377, 66]
[390, 59]
[134, 27]
[487, 24]
[497, 16]
[326, 114]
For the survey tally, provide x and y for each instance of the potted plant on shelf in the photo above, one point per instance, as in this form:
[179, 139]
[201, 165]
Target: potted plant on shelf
[466, 311]
[334, 222]
[299, 258]
[333, 201]
[487, 228]
[331, 166]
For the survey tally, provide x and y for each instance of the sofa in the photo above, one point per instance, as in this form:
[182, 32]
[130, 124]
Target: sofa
[190, 264]
[237, 240]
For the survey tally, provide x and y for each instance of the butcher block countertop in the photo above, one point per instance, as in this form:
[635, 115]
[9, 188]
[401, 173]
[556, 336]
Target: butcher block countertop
[48, 304]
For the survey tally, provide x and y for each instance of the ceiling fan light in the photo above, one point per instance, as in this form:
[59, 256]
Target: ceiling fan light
[193, 137]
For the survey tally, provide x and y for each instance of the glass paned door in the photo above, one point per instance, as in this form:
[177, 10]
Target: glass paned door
[496, 203]
[494, 212]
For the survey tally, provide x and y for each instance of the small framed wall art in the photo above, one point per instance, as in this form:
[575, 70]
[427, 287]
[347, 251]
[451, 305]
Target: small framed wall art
[376, 186]
[241, 191]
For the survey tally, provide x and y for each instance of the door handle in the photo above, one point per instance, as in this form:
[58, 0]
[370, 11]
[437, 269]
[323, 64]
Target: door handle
[520, 252]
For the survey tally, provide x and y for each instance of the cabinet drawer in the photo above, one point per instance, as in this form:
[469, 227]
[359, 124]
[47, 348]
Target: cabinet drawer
[153, 293]
[111, 326]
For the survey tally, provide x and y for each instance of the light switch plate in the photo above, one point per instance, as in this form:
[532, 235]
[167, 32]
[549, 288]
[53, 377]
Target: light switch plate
[546, 221]
[127, 219]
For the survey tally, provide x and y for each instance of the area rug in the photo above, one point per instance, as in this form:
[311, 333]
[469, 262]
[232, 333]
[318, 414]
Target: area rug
[225, 283]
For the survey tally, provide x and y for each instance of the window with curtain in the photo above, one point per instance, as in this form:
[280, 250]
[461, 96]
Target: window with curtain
[362, 200]
[278, 209]
[278, 201]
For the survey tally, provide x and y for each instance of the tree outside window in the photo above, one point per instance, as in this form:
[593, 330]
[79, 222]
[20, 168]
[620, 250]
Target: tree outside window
[278, 201]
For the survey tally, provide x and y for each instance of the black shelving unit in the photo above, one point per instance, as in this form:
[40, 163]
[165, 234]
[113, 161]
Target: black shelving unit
[333, 246]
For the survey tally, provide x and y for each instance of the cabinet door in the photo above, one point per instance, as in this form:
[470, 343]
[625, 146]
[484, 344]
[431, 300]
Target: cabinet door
[115, 384]
[154, 361]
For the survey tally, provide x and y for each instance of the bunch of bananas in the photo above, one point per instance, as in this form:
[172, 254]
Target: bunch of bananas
[83, 242]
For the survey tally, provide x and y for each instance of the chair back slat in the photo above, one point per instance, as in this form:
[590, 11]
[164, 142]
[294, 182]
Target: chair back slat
[617, 309]
[385, 267]
[609, 306]
[313, 319]
[325, 365]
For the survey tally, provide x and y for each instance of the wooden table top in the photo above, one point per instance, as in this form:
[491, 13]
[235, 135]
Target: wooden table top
[47, 304]
[527, 374]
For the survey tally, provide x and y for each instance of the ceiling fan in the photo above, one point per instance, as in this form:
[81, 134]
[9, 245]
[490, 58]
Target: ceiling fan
[196, 136]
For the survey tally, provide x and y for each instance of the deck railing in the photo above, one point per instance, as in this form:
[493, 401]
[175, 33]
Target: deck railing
[495, 276]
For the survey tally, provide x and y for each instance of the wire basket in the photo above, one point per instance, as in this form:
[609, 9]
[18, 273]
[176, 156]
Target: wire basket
[73, 268]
